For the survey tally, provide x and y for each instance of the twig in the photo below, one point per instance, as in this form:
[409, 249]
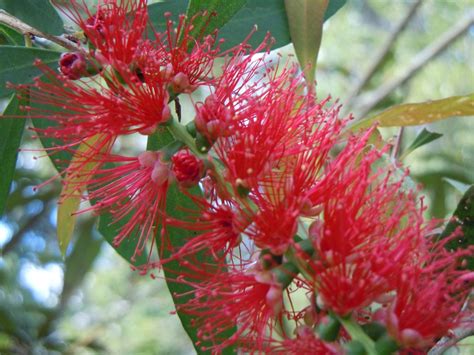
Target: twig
[370, 100]
[398, 143]
[25, 29]
[381, 54]
[440, 348]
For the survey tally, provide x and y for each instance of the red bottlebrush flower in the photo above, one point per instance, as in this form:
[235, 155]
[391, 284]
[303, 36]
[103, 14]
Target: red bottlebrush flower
[251, 300]
[89, 108]
[267, 131]
[275, 204]
[218, 227]
[134, 193]
[226, 106]
[115, 30]
[429, 297]
[370, 229]
[187, 168]
[73, 65]
[188, 58]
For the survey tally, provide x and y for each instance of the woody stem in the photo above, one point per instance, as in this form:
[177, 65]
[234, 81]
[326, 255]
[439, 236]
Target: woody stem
[25, 29]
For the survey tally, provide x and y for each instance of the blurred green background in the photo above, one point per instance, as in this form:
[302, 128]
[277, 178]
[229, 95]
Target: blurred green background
[92, 303]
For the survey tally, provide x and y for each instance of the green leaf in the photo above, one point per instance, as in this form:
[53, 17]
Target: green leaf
[39, 14]
[305, 20]
[268, 16]
[421, 113]
[176, 203]
[11, 130]
[10, 36]
[74, 185]
[424, 137]
[463, 218]
[218, 13]
[16, 64]
[156, 12]
[333, 7]
[109, 228]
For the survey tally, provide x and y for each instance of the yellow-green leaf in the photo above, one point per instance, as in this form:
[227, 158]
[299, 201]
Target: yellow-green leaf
[421, 113]
[79, 173]
[305, 20]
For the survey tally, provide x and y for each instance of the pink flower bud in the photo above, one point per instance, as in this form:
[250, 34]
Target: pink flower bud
[160, 173]
[180, 84]
[73, 65]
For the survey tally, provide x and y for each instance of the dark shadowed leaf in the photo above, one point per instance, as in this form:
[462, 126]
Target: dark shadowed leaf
[463, 218]
[11, 130]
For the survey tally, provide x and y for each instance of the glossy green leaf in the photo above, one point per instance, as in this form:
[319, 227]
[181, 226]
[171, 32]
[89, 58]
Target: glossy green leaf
[39, 14]
[9, 36]
[11, 130]
[218, 13]
[424, 137]
[16, 64]
[109, 228]
[333, 7]
[305, 20]
[176, 203]
[463, 218]
[421, 113]
[156, 12]
[267, 16]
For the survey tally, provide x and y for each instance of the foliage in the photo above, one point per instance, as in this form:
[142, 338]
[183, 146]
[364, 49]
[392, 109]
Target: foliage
[234, 20]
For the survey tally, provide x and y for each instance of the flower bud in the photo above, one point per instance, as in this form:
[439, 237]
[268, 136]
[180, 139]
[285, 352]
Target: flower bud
[213, 119]
[180, 84]
[187, 168]
[73, 65]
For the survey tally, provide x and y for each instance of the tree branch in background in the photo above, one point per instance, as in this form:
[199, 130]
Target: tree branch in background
[18, 236]
[371, 99]
[25, 29]
[379, 57]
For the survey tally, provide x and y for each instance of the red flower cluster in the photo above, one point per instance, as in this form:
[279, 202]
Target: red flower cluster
[292, 208]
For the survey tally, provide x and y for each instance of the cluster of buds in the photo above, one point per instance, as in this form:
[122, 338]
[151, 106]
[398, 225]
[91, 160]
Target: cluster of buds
[294, 248]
